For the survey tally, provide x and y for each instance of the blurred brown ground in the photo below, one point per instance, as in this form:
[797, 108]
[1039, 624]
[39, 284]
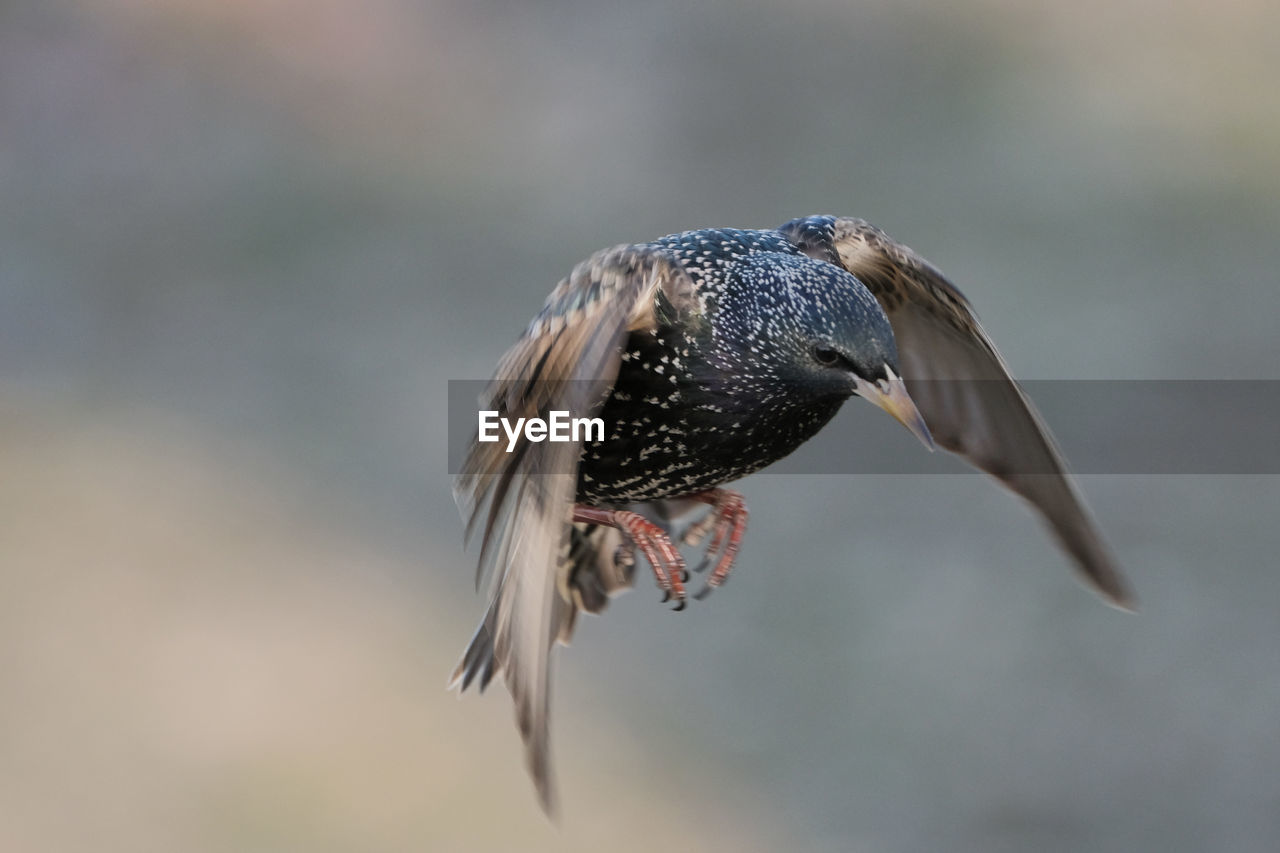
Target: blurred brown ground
[193, 660]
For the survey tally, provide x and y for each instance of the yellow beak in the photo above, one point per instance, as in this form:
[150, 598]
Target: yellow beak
[891, 395]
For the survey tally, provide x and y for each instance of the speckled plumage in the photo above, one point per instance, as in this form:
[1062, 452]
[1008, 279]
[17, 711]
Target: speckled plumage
[710, 354]
[699, 403]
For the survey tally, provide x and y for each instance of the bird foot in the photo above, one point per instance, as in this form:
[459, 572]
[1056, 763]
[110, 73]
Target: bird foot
[728, 515]
[651, 540]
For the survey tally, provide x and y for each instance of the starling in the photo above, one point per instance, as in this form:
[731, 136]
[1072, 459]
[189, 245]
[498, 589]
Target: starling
[709, 355]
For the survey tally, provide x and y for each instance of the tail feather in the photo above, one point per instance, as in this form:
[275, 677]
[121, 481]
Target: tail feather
[589, 573]
[477, 663]
[590, 577]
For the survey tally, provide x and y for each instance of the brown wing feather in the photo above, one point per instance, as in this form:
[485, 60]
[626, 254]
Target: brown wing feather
[969, 400]
[567, 360]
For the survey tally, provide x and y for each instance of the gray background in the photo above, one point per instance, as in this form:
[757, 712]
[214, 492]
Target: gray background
[245, 245]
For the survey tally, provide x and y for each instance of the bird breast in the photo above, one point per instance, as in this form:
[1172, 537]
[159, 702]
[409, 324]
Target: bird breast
[676, 426]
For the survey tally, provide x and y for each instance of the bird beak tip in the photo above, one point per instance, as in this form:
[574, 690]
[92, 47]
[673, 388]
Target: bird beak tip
[921, 431]
[898, 403]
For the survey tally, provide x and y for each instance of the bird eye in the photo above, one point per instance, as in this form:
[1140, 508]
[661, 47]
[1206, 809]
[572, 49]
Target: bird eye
[827, 357]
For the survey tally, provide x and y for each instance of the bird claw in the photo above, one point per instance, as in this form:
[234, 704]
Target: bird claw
[729, 516]
[651, 540]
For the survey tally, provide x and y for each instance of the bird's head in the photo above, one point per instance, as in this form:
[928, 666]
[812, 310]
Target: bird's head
[811, 330]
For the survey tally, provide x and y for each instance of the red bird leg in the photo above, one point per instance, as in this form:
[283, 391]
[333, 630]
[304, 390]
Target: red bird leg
[653, 542]
[730, 514]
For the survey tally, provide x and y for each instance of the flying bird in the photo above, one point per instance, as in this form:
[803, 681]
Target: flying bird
[708, 355]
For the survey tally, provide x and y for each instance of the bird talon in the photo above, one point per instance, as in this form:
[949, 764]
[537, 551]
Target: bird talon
[729, 516]
[651, 540]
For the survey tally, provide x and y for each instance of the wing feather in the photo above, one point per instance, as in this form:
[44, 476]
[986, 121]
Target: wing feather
[970, 401]
[567, 360]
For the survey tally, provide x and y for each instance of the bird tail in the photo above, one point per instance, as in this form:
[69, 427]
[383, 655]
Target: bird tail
[588, 575]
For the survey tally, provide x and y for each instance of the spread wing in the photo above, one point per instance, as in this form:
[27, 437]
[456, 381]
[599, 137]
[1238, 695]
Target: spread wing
[960, 384]
[522, 501]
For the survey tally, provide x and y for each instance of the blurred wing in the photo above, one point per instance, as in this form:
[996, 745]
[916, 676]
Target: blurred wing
[969, 400]
[523, 500]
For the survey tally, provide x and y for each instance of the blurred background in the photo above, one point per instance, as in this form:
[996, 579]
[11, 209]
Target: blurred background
[244, 246]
